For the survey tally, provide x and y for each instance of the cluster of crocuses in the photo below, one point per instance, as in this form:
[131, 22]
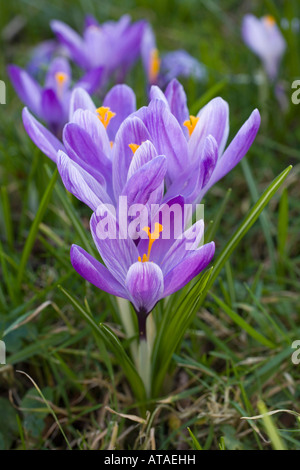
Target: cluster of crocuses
[105, 52]
[158, 155]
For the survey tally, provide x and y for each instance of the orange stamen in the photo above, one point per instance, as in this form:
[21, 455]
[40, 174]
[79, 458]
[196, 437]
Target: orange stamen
[269, 20]
[152, 237]
[154, 65]
[133, 147]
[105, 115]
[61, 78]
[191, 124]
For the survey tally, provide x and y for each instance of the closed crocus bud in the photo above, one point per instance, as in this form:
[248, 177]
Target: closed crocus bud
[264, 38]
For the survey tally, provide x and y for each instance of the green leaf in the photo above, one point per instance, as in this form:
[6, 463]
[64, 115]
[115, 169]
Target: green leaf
[113, 343]
[243, 324]
[35, 227]
[171, 332]
[247, 223]
[196, 443]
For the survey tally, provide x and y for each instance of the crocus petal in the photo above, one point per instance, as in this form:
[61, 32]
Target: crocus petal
[95, 273]
[43, 138]
[52, 110]
[121, 101]
[72, 41]
[117, 250]
[132, 131]
[148, 44]
[80, 99]
[181, 64]
[84, 151]
[167, 136]
[146, 180]
[157, 94]
[28, 90]
[213, 120]
[237, 149]
[92, 80]
[183, 247]
[80, 183]
[171, 216]
[177, 100]
[89, 122]
[144, 154]
[58, 65]
[188, 268]
[145, 283]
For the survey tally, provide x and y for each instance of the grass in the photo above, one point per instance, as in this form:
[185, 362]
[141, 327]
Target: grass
[235, 359]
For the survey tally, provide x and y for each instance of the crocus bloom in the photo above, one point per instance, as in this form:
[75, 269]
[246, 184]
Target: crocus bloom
[264, 38]
[112, 45]
[194, 145]
[160, 70]
[146, 272]
[120, 99]
[51, 102]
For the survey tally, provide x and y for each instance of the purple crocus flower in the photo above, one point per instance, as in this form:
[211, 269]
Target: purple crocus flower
[118, 103]
[160, 71]
[51, 102]
[146, 272]
[112, 45]
[194, 145]
[264, 38]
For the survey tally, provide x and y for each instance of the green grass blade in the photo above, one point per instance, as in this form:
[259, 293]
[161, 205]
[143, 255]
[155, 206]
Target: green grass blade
[243, 324]
[113, 343]
[35, 227]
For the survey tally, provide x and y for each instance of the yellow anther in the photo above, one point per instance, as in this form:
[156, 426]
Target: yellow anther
[105, 115]
[152, 237]
[154, 65]
[133, 147]
[191, 124]
[269, 20]
[111, 144]
[61, 78]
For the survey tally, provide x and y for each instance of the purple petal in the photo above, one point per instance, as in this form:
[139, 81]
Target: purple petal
[117, 250]
[147, 46]
[236, 150]
[146, 180]
[95, 273]
[121, 100]
[183, 247]
[90, 122]
[167, 137]
[92, 80]
[177, 100]
[213, 120]
[180, 63]
[43, 138]
[80, 99]
[145, 284]
[188, 268]
[28, 90]
[144, 154]
[157, 94]
[80, 183]
[132, 131]
[58, 65]
[52, 110]
[83, 150]
[72, 41]
[171, 216]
